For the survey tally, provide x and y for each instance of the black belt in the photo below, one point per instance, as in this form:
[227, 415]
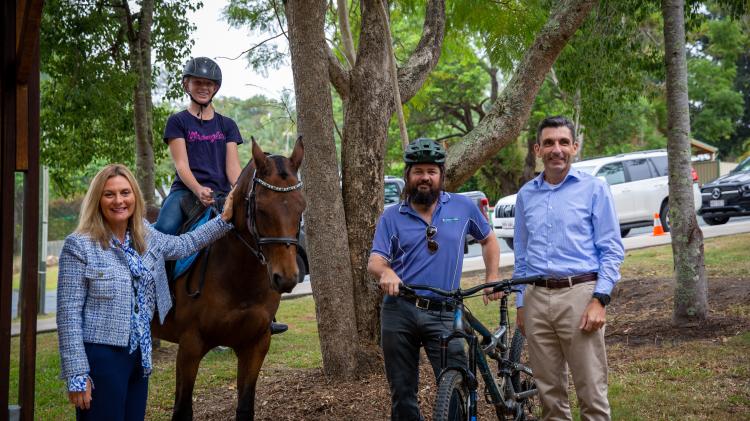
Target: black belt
[427, 304]
[566, 282]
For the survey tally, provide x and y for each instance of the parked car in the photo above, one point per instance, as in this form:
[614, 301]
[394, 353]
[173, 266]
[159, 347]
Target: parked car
[639, 185]
[727, 196]
[393, 187]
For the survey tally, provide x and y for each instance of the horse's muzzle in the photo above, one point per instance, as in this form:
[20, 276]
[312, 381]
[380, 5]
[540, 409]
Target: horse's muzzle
[283, 284]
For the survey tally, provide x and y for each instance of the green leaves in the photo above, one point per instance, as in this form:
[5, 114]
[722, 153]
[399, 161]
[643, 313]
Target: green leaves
[88, 84]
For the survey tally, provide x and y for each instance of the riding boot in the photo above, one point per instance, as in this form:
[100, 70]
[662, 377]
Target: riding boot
[278, 328]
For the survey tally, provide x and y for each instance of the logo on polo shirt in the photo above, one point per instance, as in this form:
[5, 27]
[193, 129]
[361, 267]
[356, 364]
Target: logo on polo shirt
[449, 219]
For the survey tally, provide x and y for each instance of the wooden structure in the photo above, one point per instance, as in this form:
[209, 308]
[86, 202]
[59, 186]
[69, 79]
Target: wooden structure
[701, 149]
[19, 153]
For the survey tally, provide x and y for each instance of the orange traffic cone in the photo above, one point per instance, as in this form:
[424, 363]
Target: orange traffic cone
[658, 229]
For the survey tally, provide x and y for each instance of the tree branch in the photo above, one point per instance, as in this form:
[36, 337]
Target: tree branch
[253, 47]
[450, 136]
[278, 19]
[509, 113]
[425, 57]
[346, 32]
[337, 74]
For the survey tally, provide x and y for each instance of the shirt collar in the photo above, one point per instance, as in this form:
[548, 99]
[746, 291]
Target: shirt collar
[573, 174]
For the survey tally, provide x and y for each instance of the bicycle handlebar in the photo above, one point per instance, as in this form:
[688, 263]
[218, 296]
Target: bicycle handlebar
[497, 286]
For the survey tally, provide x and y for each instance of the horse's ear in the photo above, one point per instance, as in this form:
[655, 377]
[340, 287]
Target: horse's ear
[297, 154]
[258, 157]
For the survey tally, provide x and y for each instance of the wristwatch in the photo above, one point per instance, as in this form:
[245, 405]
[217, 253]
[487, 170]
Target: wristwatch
[603, 298]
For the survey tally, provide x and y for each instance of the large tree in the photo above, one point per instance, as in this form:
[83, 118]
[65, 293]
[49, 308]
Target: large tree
[691, 292]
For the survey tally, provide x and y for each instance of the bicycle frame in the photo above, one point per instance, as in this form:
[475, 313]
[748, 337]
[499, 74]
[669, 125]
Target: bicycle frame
[478, 351]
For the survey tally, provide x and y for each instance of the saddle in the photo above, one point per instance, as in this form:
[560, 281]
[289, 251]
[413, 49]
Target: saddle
[197, 214]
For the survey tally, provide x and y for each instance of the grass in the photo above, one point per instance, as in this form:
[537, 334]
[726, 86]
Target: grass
[723, 257]
[50, 279]
[693, 380]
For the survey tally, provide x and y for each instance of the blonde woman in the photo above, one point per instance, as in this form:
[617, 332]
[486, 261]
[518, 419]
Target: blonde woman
[111, 280]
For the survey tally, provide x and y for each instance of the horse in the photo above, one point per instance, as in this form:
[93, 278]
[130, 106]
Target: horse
[245, 273]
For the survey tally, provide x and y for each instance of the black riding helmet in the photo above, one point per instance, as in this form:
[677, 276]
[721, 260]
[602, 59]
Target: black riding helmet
[424, 151]
[205, 68]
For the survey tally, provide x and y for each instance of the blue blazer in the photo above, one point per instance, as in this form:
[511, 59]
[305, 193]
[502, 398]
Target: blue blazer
[94, 288]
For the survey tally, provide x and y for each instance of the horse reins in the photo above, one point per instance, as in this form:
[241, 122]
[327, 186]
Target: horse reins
[250, 219]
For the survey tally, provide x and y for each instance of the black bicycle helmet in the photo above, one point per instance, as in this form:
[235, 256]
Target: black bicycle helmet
[424, 151]
[202, 67]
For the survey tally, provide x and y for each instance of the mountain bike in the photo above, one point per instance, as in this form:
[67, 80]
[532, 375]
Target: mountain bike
[511, 389]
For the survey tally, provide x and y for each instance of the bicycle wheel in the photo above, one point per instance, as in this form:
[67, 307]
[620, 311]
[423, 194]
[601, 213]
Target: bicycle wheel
[521, 381]
[452, 402]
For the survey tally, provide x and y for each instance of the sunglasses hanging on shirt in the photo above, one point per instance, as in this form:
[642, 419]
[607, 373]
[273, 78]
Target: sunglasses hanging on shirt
[432, 245]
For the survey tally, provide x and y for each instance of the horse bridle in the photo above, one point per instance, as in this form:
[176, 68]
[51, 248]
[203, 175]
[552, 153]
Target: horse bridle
[250, 219]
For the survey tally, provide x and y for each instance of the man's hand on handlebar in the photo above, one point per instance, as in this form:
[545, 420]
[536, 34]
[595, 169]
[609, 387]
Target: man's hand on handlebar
[389, 282]
[491, 296]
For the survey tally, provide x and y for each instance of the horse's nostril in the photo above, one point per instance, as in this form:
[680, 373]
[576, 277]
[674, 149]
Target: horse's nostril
[276, 281]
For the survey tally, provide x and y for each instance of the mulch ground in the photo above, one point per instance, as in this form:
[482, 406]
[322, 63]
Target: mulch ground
[640, 314]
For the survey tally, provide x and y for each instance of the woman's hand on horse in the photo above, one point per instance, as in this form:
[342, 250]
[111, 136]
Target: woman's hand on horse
[226, 214]
[206, 196]
[81, 400]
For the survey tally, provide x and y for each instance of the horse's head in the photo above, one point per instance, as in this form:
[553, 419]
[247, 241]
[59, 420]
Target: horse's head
[268, 206]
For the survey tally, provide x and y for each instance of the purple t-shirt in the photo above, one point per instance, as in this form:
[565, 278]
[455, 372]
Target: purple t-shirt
[206, 144]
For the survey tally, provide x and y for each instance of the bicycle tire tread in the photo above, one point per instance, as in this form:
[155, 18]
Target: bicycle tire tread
[450, 381]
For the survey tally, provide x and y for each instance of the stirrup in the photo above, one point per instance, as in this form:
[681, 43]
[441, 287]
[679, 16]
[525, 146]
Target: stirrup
[277, 328]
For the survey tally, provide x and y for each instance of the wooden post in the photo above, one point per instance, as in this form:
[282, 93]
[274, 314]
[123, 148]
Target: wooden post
[7, 186]
[30, 258]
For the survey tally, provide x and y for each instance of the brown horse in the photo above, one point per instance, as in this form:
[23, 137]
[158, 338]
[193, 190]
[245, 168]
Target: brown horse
[246, 271]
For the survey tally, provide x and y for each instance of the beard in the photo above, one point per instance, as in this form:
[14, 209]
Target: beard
[423, 197]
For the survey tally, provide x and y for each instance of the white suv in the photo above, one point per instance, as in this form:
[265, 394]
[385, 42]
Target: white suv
[638, 182]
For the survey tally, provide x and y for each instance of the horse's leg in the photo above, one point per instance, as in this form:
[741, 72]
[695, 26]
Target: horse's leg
[249, 361]
[189, 356]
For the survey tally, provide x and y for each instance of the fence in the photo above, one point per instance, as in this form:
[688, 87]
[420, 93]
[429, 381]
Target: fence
[707, 171]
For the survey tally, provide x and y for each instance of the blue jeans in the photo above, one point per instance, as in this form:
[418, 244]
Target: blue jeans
[171, 217]
[120, 389]
[405, 329]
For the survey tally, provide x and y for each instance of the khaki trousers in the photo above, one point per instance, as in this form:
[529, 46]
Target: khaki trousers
[551, 318]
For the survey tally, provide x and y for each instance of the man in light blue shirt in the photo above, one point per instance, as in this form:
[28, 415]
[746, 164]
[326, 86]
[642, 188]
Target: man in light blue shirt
[566, 229]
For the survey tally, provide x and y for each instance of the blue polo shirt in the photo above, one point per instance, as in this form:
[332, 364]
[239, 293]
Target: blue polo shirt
[400, 238]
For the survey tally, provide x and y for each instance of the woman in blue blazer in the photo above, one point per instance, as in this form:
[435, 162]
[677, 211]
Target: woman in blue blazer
[111, 280]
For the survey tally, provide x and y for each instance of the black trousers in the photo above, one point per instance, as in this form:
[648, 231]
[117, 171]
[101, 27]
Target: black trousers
[120, 390]
[405, 329]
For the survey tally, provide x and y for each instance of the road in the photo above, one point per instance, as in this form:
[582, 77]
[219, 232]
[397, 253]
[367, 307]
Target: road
[472, 261]
[475, 250]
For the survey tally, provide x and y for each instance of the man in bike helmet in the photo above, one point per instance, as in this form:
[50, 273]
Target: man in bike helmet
[566, 229]
[421, 242]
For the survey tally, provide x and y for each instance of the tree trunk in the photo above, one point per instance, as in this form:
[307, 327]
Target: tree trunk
[369, 108]
[139, 42]
[144, 134]
[324, 217]
[691, 291]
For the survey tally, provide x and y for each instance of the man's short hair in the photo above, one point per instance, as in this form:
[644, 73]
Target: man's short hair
[555, 121]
